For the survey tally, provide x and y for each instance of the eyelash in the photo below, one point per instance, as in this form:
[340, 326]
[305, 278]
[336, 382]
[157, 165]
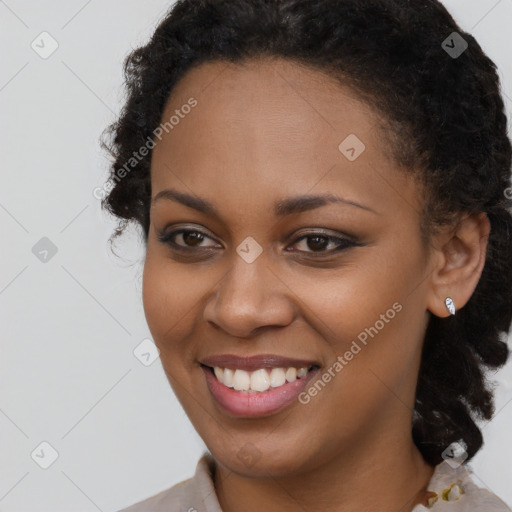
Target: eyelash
[345, 243]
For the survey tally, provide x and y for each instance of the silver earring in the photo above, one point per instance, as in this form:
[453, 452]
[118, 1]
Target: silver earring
[450, 306]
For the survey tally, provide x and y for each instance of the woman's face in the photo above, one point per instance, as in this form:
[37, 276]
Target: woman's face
[246, 281]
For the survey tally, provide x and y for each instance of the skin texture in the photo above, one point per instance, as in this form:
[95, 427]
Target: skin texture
[262, 132]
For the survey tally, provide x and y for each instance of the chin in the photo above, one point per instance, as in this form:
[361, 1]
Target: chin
[261, 462]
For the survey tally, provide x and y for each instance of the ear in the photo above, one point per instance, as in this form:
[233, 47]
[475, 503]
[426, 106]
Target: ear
[459, 258]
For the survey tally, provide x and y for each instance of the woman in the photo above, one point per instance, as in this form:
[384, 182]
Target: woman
[323, 189]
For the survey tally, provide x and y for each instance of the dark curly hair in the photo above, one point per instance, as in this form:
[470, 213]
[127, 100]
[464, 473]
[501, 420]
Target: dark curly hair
[446, 123]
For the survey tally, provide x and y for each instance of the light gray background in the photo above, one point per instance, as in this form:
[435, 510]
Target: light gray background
[69, 326]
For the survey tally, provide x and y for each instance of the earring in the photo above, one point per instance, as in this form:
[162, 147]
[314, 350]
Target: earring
[450, 305]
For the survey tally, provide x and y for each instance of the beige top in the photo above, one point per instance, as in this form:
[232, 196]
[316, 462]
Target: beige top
[454, 491]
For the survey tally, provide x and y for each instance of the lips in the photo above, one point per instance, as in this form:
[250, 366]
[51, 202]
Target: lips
[267, 391]
[256, 362]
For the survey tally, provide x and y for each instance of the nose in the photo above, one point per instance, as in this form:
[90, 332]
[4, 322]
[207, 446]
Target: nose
[251, 296]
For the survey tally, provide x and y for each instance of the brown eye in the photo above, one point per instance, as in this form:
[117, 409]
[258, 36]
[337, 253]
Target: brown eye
[314, 243]
[190, 238]
[318, 242]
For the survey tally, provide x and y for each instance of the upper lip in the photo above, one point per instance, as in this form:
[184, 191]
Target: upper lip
[252, 363]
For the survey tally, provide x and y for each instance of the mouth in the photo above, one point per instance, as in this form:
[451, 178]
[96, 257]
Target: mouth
[261, 392]
[260, 380]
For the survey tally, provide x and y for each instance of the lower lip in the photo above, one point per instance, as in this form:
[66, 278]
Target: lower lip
[250, 405]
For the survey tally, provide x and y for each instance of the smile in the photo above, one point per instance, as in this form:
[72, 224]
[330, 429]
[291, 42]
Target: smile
[260, 380]
[260, 392]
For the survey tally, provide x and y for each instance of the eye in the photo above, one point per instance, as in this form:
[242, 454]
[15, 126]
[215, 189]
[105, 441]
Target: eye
[318, 242]
[187, 236]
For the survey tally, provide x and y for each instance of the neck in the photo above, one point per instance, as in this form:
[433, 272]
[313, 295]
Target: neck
[388, 474]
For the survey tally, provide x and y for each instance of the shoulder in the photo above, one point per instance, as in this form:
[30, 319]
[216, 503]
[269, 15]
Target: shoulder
[170, 499]
[194, 494]
[455, 491]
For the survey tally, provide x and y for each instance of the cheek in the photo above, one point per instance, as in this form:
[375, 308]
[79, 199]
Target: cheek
[371, 315]
[165, 300]
[173, 299]
[155, 294]
[169, 318]
[347, 302]
[381, 328]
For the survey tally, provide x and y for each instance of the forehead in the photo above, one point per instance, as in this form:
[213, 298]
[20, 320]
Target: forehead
[269, 126]
[265, 98]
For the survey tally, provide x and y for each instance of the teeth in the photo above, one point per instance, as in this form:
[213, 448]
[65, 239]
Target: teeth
[277, 377]
[219, 373]
[228, 377]
[241, 380]
[301, 372]
[259, 380]
[291, 374]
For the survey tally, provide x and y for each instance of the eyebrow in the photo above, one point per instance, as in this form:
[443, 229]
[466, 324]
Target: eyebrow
[282, 208]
